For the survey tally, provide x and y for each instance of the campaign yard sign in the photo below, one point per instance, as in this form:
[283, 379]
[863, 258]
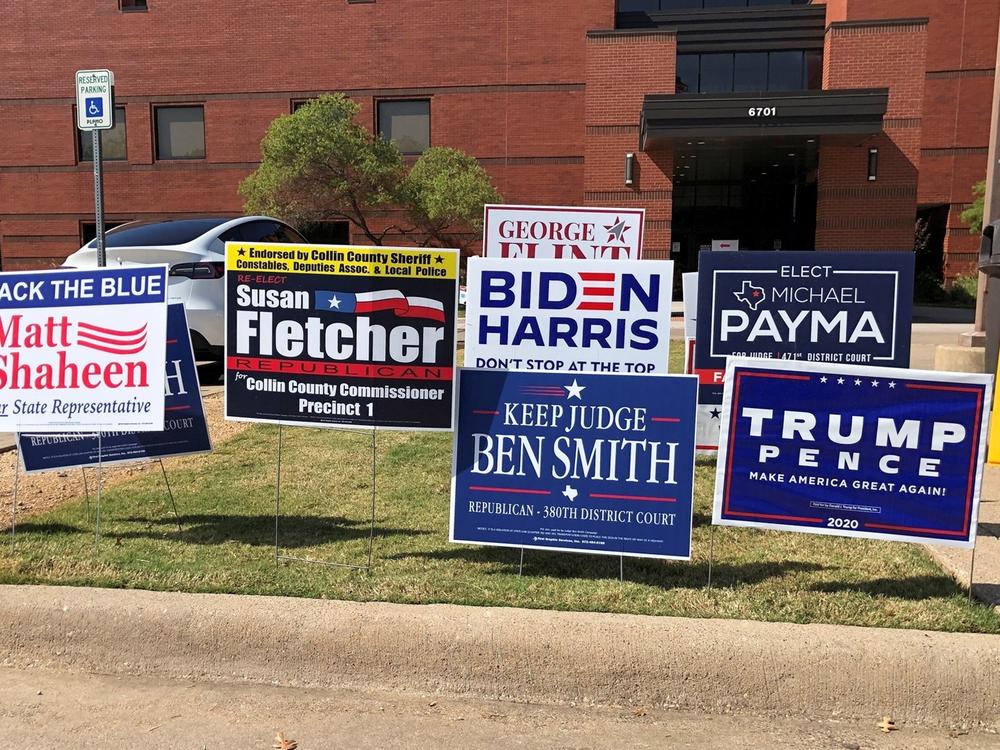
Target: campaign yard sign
[859, 451]
[575, 462]
[82, 350]
[562, 232]
[321, 335]
[572, 315]
[846, 307]
[185, 431]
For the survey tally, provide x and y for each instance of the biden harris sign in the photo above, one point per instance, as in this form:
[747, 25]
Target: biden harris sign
[82, 351]
[849, 450]
[575, 462]
[571, 315]
[319, 335]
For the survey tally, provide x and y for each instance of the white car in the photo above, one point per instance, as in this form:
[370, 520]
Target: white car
[195, 251]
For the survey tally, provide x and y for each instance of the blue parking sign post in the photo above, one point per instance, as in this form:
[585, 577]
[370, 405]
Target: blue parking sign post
[95, 112]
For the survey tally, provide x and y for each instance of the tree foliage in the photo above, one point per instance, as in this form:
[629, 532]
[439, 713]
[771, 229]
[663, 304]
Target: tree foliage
[973, 215]
[319, 164]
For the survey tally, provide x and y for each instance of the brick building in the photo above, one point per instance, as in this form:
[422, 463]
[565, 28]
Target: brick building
[780, 123]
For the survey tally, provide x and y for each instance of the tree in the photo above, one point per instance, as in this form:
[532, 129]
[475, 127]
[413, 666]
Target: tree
[444, 194]
[973, 215]
[318, 164]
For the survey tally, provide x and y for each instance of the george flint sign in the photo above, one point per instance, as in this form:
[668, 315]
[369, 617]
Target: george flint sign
[573, 315]
[859, 451]
[852, 308]
[562, 232]
[582, 463]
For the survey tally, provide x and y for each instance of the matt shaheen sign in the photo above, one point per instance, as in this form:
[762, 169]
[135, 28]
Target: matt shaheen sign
[351, 336]
[572, 315]
[82, 351]
[562, 232]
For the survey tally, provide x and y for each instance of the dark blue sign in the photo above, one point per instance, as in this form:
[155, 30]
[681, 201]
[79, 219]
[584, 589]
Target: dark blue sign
[853, 451]
[575, 462]
[849, 308]
[185, 430]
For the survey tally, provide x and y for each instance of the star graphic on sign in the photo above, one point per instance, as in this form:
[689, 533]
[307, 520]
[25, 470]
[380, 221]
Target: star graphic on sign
[716, 413]
[874, 384]
[823, 379]
[574, 391]
[617, 230]
[569, 493]
[335, 303]
[857, 382]
[840, 381]
[241, 251]
[892, 383]
[439, 259]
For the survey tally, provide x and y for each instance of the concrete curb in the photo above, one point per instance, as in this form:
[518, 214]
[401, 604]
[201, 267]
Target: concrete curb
[525, 655]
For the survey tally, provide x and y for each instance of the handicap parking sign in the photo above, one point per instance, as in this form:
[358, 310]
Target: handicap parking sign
[94, 106]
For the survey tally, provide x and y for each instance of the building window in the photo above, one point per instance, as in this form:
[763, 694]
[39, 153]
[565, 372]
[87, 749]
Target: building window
[88, 230]
[180, 132]
[724, 72]
[113, 146]
[406, 123]
[129, 5]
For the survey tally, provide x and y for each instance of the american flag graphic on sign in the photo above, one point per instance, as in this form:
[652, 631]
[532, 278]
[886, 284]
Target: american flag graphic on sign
[598, 291]
[111, 340]
[380, 301]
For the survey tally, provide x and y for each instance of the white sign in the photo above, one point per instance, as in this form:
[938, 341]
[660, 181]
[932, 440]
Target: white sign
[562, 232]
[94, 103]
[689, 288]
[568, 315]
[83, 351]
[732, 245]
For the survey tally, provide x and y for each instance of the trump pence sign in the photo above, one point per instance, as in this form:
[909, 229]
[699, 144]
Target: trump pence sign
[581, 463]
[82, 351]
[573, 315]
[562, 232]
[859, 451]
[320, 335]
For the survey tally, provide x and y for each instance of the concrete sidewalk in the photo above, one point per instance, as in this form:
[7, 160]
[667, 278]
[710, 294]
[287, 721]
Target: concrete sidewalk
[716, 666]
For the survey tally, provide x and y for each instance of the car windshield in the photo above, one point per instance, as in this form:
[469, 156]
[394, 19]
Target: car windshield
[159, 232]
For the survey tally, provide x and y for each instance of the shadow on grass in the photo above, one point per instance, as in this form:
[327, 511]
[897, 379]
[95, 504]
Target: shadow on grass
[914, 587]
[34, 527]
[664, 573]
[258, 531]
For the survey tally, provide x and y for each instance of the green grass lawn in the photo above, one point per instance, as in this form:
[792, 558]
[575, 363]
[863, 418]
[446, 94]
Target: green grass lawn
[226, 501]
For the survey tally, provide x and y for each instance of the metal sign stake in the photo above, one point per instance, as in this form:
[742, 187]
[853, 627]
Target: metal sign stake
[100, 484]
[520, 567]
[102, 256]
[170, 492]
[711, 554]
[13, 502]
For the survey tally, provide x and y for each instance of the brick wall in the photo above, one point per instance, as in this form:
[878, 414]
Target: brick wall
[508, 89]
[853, 212]
[622, 67]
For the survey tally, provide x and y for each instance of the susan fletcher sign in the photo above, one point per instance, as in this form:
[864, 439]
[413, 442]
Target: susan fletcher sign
[562, 232]
[322, 335]
[857, 451]
[573, 315]
[82, 350]
[581, 463]
[184, 428]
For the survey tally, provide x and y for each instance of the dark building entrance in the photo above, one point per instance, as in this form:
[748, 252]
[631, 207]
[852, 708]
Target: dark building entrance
[760, 191]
